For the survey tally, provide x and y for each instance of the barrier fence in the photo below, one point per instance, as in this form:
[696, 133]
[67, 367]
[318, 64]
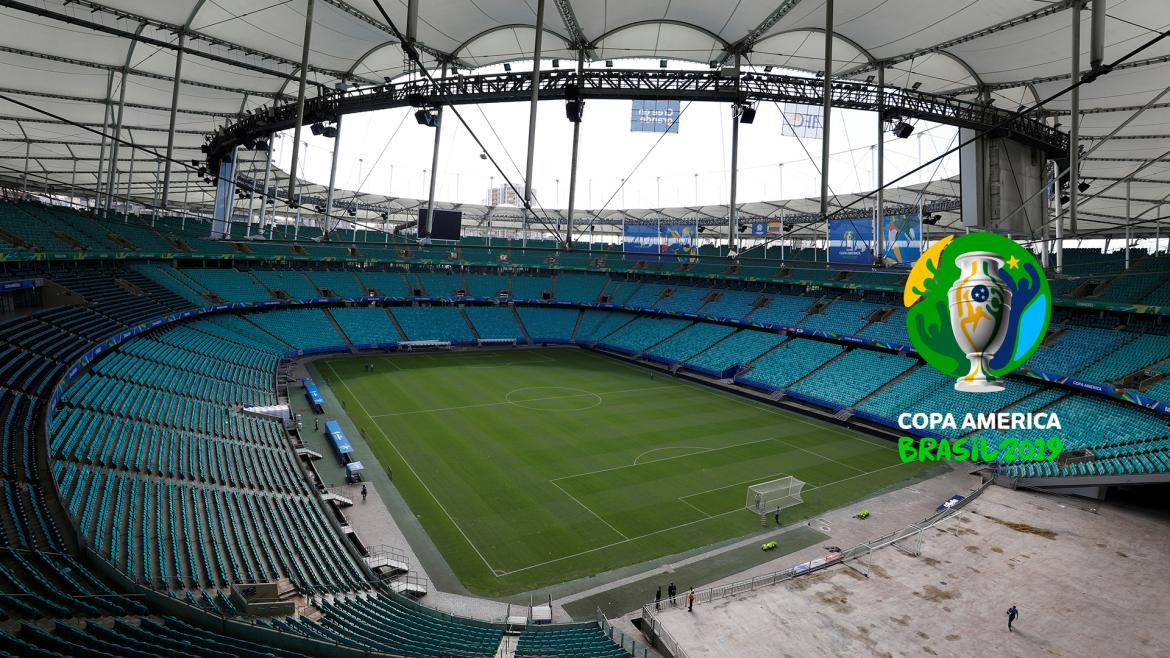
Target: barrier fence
[626, 642]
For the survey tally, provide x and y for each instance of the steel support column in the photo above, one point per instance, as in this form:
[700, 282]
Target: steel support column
[435, 162]
[129, 182]
[264, 195]
[573, 161]
[166, 188]
[1128, 220]
[332, 173]
[732, 223]
[111, 184]
[1074, 121]
[826, 110]
[532, 116]
[879, 209]
[292, 170]
[97, 192]
[24, 179]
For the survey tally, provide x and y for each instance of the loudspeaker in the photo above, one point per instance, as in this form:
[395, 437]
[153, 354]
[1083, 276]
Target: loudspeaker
[574, 110]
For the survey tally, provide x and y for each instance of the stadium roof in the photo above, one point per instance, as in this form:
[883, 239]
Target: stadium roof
[244, 54]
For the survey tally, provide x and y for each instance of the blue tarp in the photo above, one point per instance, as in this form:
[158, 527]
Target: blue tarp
[314, 395]
[337, 437]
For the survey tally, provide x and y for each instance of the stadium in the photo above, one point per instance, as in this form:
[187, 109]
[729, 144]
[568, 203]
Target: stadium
[564, 328]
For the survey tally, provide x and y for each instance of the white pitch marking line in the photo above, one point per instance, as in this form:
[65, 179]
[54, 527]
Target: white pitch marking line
[813, 452]
[684, 502]
[588, 509]
[386, 438]
[514, 403]
[699, 448]
[655, 461]
[683, 525]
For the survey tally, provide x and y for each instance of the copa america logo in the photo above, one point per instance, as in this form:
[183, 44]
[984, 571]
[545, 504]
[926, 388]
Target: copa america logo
[979, 307]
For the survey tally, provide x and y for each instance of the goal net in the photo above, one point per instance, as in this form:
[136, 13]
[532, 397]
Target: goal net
[767, 497]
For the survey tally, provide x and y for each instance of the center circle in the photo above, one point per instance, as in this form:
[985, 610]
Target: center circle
[553, 398]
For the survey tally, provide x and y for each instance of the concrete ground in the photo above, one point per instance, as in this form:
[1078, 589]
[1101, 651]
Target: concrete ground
[1089, 579]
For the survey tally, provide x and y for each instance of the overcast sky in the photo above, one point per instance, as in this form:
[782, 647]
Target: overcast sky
[387, 152]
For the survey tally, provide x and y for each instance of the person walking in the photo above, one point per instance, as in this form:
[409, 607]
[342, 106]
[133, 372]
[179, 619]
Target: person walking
[1012, 613]
[316, 424]
[691, 600]
[364, 492]
[670, 592]
[658, 598]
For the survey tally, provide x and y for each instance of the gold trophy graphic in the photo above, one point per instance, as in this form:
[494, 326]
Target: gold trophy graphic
[980, 311]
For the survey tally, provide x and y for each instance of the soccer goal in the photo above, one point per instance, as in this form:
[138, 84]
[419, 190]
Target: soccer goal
[773, 496]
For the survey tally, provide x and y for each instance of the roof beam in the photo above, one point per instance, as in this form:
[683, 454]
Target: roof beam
[1106, 110]
[113, 31]
[102, 101]
[1042, 12]
[576, 35]
[996, 86]
[136, 72]
[98, 125]
[745, 44]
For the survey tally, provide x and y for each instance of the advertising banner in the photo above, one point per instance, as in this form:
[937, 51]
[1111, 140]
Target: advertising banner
[654, 116]
[901, 239]
[849, 242]
[660, 242]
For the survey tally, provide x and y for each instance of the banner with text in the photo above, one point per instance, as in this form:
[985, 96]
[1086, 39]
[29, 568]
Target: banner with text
[804, 121]
[654, 116]
[660, 242]
[850, 240]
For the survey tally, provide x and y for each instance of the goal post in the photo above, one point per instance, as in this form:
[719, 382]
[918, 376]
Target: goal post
[767, 497]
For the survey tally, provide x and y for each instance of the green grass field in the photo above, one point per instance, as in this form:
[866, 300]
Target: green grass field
[533, 467]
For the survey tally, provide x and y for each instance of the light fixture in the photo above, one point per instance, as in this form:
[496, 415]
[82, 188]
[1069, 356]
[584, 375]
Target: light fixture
[767, 69]
[556, 63]
[916, 85]
[662, 63]
[869, 79]
[609, 63]
[820, 74]
[507, 67]
[1083, 186]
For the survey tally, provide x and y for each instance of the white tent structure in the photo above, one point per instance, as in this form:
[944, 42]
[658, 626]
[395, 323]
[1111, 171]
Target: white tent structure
[164, 74]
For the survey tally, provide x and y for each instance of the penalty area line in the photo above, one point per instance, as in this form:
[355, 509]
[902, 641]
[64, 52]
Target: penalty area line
[689, 523]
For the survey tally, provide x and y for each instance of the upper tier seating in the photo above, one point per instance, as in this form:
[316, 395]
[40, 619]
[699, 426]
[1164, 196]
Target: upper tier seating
[229, 285]
[843, 316]
[580, 288]
[733, 304]
[1076, 348]
[686, 299]
[786, 310]
[339, 284]
[294, 284]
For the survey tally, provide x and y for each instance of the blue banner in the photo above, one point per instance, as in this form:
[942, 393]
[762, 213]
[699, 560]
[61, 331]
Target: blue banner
[850, 240]
[901, 239]
[654, 116]
[764, 229]
[660, 242]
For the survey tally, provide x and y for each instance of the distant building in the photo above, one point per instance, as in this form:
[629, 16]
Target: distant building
[504, 195]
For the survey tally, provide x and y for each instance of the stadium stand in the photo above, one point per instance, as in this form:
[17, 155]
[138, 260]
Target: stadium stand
[792, 360]
[579, 288]
[366, 326]
[583, 641]
[300, 328]
[853, 376]
[689, 342]
[496, 322]
[432, 323]
[548, 323]
[644, 332]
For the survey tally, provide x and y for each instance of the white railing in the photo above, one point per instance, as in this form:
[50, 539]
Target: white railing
[627, 643]
[663, 639]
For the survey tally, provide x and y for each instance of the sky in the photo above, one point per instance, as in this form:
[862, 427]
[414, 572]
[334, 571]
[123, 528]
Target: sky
[388, 152]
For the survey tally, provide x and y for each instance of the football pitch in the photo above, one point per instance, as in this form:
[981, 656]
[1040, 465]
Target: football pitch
[538, 466]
